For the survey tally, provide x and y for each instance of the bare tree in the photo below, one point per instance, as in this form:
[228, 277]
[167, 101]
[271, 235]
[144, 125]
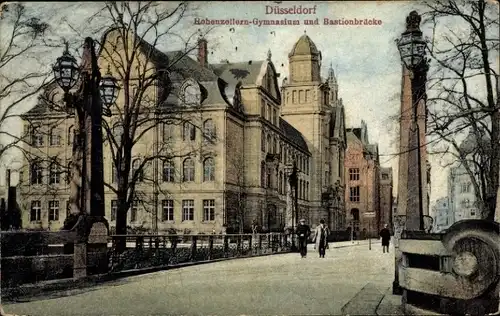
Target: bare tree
[461, 94]
[22, 43]
[237, 198]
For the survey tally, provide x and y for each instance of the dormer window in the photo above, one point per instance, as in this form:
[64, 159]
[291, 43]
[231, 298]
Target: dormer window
[191, 93]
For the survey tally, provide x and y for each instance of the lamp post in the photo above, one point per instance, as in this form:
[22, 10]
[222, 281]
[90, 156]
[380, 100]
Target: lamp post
[294, 181]
[412, 50]
[87, 102]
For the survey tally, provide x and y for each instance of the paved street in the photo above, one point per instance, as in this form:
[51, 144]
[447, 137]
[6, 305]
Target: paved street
[349, 279]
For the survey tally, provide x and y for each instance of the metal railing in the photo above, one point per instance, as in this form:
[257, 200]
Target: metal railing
[147, 251]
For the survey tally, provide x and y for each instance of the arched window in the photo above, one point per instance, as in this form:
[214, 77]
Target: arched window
[209, 170]
[272, 149]
[263, 174]
[188, 170]
[137, 171]
[188, 131]
[209, 130]
[71, 135]
[191, 94]
[268, 143]
[168, 171]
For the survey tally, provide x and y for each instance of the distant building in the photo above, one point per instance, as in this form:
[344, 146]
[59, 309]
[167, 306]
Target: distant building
[443, 214]
[461, 195]
[363, 182]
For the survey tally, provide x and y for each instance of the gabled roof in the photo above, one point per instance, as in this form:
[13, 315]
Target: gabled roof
[293, 135]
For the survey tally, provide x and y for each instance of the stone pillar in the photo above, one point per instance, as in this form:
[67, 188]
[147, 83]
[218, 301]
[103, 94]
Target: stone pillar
[80, 260]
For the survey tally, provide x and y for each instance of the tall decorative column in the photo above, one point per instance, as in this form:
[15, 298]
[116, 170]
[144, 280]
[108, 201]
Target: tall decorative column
[411, 206]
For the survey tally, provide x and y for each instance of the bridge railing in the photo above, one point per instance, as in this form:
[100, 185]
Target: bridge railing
[147, 251]
[26, 257]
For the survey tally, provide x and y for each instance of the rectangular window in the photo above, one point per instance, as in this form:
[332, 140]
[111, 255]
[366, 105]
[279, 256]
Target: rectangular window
[36, 211]
[53, 211]
[385, 176]
[466, 187]
[36, 173]
[208, 210]
[55, 173]
[54, 137]
[275, 117]
[114, 209]
[354, 174]
[354, 194]
[133, 211]
[37, 138]
[187, 210]
[167, 210]
[168, 171]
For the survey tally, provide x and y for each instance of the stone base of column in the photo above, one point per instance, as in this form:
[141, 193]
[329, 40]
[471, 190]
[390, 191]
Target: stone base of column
[80, 260]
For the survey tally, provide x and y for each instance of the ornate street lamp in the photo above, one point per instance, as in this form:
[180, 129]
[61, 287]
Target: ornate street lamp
[109, 89]
[412, 50]
[94, 96]
[66, 71]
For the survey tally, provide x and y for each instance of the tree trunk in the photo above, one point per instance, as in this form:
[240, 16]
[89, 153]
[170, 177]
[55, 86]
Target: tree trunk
[121, 223]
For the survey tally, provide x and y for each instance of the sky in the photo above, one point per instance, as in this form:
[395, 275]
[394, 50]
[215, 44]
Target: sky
[365, 58]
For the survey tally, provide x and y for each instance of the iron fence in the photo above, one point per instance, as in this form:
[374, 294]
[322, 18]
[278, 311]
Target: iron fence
[145, 251]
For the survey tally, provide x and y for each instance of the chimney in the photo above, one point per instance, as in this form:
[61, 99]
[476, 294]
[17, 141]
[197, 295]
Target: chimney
[202, 52]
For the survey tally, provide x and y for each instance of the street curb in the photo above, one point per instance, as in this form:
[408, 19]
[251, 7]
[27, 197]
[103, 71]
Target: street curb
[354, 245]
[25, 293]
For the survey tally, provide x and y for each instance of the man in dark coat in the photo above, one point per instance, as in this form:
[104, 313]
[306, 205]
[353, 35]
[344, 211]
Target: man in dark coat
[385, 234]
[303, 233]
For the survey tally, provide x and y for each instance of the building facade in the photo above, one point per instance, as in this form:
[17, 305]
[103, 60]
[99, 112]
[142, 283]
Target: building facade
[443, 214]
[230, 157]
[462, 199]
[386, 198]
[363, 176]
[311, 104]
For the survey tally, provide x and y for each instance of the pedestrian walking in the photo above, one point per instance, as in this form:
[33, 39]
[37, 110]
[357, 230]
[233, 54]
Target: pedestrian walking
[321, 238]
[303, 233]
[385, 234]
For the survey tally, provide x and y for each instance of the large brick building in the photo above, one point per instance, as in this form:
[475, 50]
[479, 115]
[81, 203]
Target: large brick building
[362, 168]
[258, 130]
